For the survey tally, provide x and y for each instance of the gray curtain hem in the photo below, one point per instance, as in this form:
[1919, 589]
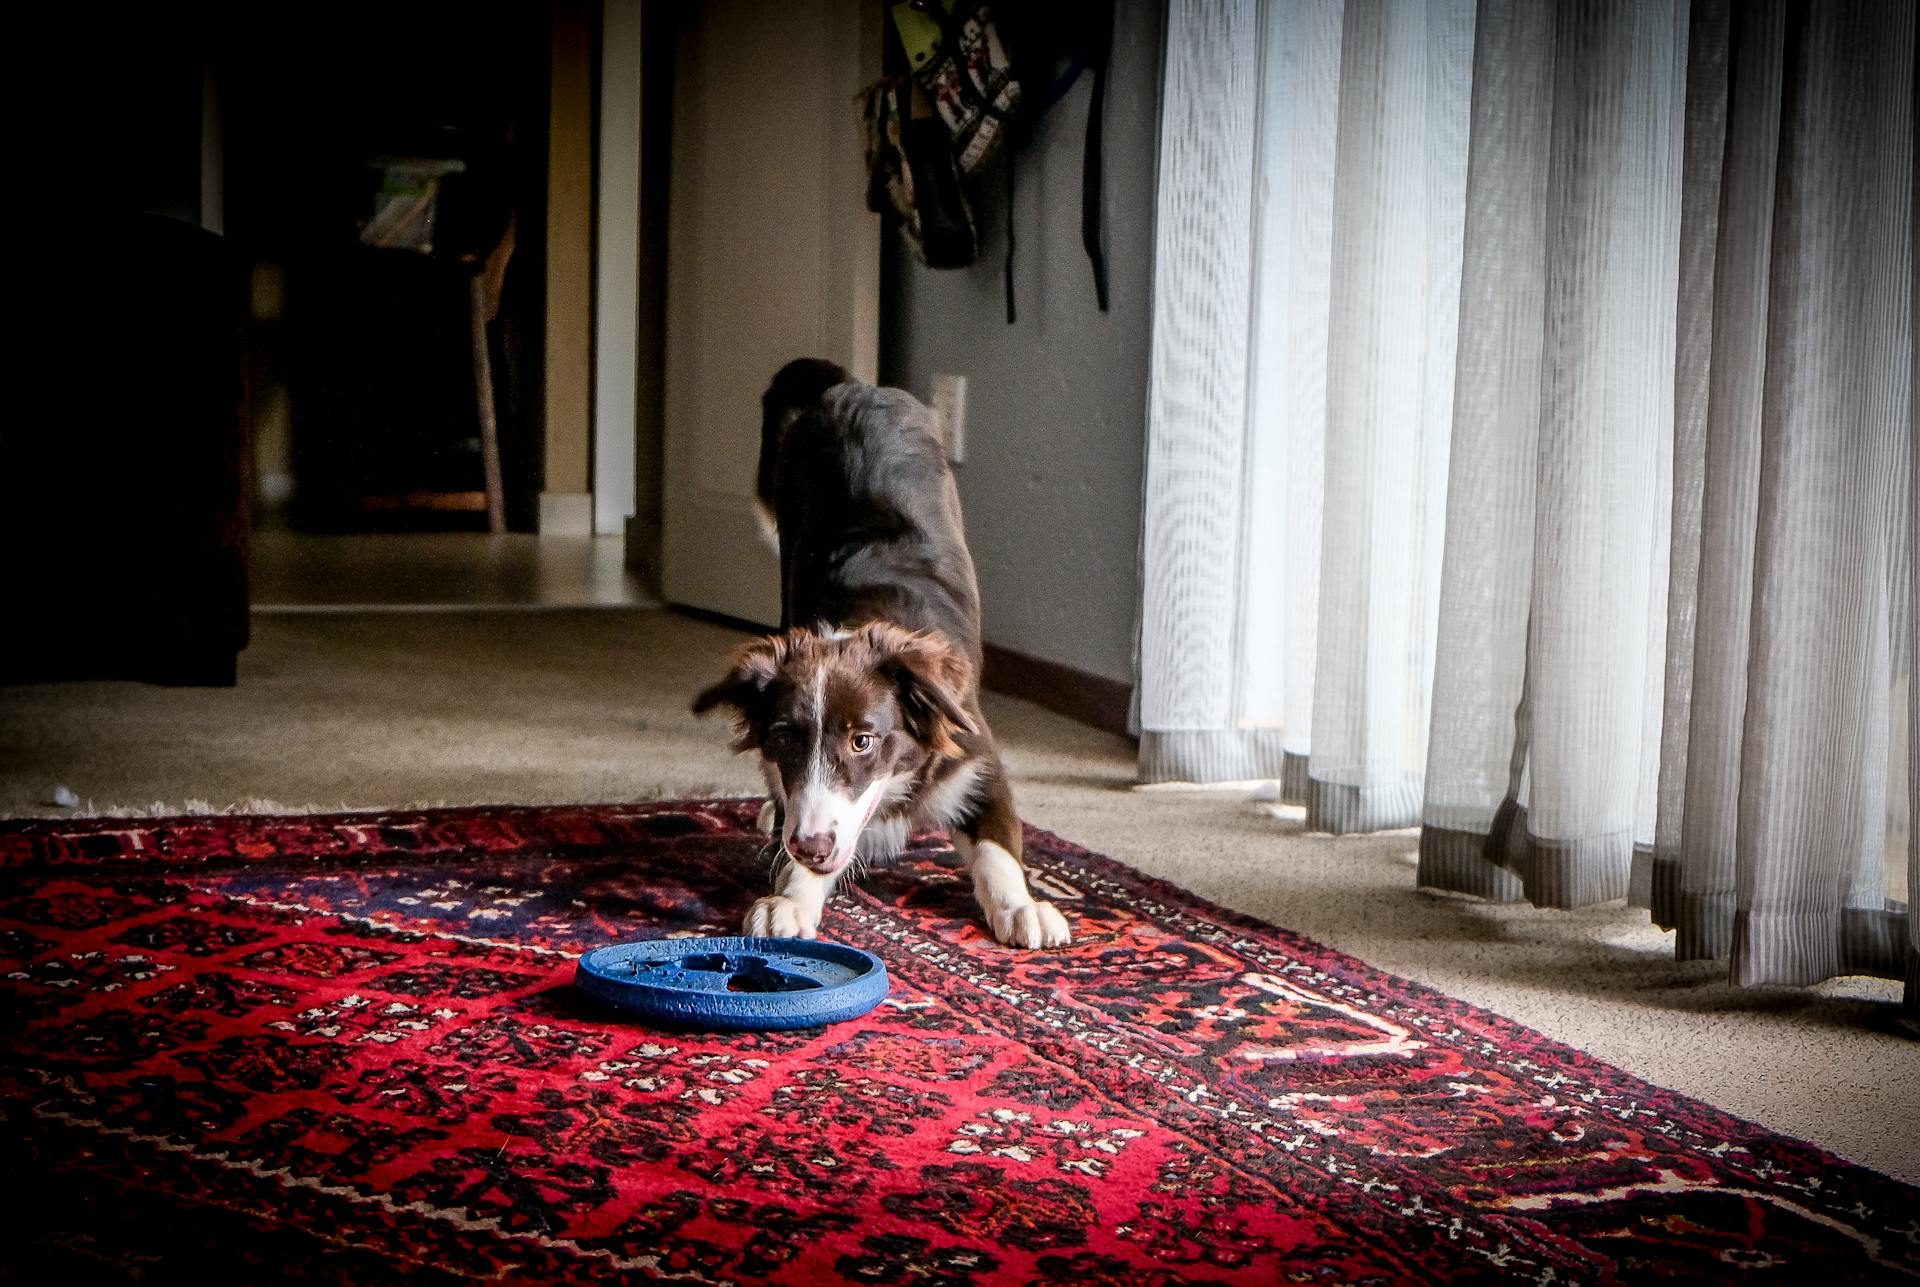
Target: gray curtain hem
[1701, 920]
[1795, 950]
[1788, 949]
[1206, 755]
[1457, 861]
[1346, 809]
[1507, 864]
[1214, 755]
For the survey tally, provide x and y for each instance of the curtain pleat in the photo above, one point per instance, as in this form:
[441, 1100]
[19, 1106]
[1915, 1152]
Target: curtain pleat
[1195, 504]
[1487, 572]
[1238, 694]
[1604, 464]
[1733, 130]
[1835, 442]
[1912, 624]
[1532, 450]
[1401, 178]
[1299, 107]
[1349, 407]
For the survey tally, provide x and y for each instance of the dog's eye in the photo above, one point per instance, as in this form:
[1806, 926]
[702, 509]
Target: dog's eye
[862, 743]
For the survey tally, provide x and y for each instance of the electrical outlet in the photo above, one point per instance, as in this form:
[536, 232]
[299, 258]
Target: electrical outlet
[950, 406]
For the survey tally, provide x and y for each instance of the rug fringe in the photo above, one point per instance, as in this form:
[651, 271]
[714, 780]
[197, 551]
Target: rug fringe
[207, 808]
[195, 807]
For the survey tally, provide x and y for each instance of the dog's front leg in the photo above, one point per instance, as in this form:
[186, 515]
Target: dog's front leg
[990, 846]
[794, 910]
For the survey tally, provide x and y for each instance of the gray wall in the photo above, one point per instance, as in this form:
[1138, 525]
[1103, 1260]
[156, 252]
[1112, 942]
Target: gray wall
[1057, 402]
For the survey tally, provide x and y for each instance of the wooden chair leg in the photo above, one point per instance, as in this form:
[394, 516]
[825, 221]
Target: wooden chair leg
[482, 308]
[488, 284]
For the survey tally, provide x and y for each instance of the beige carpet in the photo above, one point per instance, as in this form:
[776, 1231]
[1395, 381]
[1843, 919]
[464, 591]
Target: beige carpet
[360, 710]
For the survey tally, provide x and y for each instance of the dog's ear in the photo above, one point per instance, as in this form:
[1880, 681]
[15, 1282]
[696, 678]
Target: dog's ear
[931, 678]
[750, 673]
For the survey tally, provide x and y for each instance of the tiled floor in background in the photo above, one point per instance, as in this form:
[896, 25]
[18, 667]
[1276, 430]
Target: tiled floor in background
[301, 571]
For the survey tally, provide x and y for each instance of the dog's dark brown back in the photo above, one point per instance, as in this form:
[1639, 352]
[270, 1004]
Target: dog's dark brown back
[869, 517]
[798, 386]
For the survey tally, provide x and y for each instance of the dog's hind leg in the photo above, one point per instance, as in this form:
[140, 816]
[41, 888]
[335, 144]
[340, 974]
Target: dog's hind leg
[989, 843]
[794, 910]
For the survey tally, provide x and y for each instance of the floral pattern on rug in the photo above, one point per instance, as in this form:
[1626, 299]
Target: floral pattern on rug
[343, 1048]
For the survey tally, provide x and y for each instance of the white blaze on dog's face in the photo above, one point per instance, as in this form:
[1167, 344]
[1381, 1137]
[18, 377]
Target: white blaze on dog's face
[843, 720]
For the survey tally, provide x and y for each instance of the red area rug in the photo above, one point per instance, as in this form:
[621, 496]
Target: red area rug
[347, 1049]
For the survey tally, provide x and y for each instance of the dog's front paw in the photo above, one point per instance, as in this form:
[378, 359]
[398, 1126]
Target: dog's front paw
[1030, 925]
[780, 917]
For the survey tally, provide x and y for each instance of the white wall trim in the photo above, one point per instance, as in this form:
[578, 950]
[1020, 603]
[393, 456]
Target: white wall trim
[617, 268]
[566, 514]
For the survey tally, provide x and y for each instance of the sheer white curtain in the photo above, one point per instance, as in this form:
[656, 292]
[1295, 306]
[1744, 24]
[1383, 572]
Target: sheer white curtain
[1531, 451]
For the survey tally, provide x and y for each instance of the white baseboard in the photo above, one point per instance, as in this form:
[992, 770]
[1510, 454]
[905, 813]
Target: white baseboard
[273, 488]
[566, 514]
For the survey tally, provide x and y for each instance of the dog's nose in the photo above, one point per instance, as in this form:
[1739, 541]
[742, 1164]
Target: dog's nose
[815, 848]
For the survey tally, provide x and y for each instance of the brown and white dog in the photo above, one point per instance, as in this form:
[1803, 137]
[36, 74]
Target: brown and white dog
[865, 708]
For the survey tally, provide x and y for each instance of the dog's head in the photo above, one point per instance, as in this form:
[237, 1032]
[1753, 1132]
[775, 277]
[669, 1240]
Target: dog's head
[844, 721]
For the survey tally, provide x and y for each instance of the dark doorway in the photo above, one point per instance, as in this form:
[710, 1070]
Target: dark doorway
[379, 162]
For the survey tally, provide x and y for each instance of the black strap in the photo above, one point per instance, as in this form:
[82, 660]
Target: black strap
[1007, 270]
[1091, 161]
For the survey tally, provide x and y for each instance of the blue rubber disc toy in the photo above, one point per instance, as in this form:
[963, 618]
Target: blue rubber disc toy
[735, 984]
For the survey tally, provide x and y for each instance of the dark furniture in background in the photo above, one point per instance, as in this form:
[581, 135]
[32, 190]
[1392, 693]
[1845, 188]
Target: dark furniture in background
[399, 413]
[371, 354]
[124, 514]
